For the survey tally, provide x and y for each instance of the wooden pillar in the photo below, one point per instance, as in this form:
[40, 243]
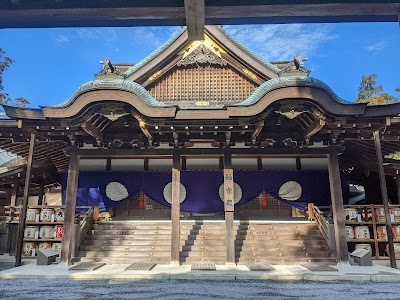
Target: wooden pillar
[14, 193]
[398, 187]
[108, 164]
[229, 201]
[385, 199]
[22, 216]
[298, 163]
[70, 206]
[337, 208]
[41, 194]
[175, 209]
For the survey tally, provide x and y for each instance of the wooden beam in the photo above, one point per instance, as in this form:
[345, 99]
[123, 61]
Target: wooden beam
[41, 194]
[257, 131]
[92, 130]
[175, 209]
[146, 132]
[22, 216]
[127, 13]
[195, 19]
[298, 163]
[385, 198]
[70, 206]
[265, 152]
[108, 164]
[337, 207]
[229, 204]
[314, 128]
[14, 193]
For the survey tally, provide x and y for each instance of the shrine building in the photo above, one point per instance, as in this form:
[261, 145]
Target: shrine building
[202, 151]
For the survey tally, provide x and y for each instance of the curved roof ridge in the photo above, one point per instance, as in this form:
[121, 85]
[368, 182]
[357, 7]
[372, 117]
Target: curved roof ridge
[279, 82]
[154, 54]
[248, 51]
[116, 84]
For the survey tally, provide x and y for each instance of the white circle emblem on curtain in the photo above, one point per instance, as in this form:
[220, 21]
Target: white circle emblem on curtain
[168, 193]
[290, 190]
[237, 192]
[116, 191]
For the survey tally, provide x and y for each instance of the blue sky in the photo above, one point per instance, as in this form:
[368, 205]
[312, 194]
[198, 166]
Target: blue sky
[50, 64]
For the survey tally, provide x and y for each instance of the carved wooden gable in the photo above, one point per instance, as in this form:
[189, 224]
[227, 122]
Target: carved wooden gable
[202, 77]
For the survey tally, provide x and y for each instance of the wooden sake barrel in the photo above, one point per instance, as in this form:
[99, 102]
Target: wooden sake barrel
[362, 232]
[396, 213]
[31, 214]
[29, 249]
[396, 232]
[380, 214]
[396, 249]
[350, 214]
[59, 215]
[44, 245]
[46, 232]
[29, 232]
[56, 246]
[382, 232]
[45, 214]
[349, 232]
[58, 231]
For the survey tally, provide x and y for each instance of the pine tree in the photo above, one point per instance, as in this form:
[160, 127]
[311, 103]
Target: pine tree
[371, 93]
[5, 62]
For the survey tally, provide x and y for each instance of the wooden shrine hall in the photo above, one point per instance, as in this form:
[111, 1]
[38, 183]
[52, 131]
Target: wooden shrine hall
[198, 130]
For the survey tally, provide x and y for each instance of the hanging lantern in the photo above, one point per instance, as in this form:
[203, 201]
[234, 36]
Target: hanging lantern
[141, 199]
[263, 196]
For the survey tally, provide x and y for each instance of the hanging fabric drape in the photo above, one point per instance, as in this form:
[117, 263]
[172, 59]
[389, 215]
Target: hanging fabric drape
[201, 190]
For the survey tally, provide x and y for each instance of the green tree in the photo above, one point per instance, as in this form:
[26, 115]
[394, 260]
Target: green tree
[371, 93]
[5, 62]
[395, 155]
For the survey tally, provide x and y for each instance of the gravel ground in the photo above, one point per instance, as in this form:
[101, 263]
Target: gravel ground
[15, 289]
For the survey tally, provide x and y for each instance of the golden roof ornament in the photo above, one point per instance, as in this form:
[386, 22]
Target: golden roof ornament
[108, 69]
[295, 67]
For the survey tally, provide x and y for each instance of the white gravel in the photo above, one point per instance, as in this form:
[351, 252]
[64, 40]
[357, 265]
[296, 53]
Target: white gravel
[15, 289]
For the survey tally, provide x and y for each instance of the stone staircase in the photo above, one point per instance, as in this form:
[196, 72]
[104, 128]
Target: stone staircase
[150, 241]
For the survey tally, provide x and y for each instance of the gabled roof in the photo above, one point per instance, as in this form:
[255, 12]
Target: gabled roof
[180, 40]
[281, 82]
[116, 84]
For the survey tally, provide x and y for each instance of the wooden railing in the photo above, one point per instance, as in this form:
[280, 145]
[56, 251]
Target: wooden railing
[324, 226]
[86, 224]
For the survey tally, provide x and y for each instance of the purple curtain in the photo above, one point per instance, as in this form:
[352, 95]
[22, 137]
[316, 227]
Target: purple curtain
[202, 187]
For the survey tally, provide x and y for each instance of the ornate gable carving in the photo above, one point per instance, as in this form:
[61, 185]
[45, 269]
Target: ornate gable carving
[202, 55]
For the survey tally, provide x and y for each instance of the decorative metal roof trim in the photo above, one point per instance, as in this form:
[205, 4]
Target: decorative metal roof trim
[249, 52]
[280, 82]
[116, 84]
[153, 55]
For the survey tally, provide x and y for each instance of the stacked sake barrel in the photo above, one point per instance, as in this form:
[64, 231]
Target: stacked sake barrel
[44, 229]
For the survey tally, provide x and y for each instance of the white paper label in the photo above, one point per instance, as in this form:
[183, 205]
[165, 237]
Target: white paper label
[33, 252]
[52, 218]
[36, 235]
[359, 218]
[391, 218]
[37, 218]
